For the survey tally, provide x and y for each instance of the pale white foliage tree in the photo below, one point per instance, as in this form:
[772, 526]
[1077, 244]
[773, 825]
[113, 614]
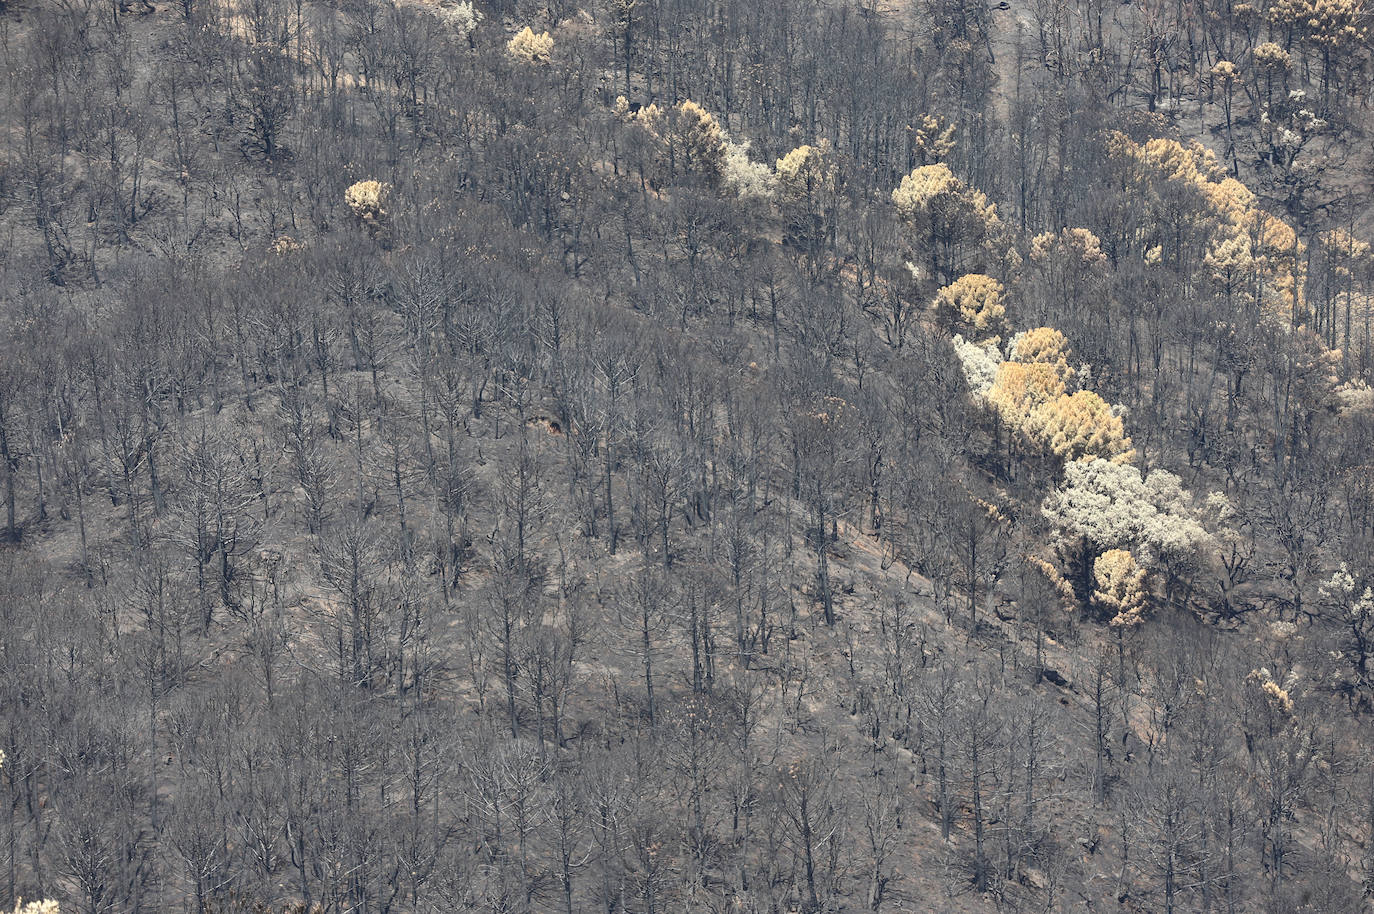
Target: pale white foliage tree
[461, 17]
[1349, 605]
[1114, 506]
[979, 361]
[748, 179]
[1103, 505]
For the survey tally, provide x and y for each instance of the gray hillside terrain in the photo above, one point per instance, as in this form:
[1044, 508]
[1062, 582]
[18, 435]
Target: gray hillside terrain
[651, 457]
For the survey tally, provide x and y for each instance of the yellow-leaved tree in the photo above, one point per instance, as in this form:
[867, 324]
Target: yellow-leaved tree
[1272, 66]
[933, 141]
[973, 305]
[1331, 27]
[945, 216]
[1272, 58]
[1020, 389]
[696, 142]
[1119, 588]
[1044, 345]
[367, 201]
[806, 171]
[530, 47]
[1068, 273]
[646, 144]
[1081, 426]
[1225, 75]
[1230, 261]
[806, 191]
[1274, 697]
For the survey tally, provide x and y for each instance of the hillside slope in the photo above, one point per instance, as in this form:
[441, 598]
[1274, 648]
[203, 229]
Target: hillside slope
[451, 465]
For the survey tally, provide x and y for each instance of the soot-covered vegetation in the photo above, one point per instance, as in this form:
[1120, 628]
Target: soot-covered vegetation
[659, 456]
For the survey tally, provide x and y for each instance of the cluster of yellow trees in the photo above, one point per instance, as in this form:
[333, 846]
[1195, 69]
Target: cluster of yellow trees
[686, 135]
[1251, 256]
[1328, 25]
[1116, 520]
[694, 141]
[1254, 260]
[1032, 390]
[1030, 393]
